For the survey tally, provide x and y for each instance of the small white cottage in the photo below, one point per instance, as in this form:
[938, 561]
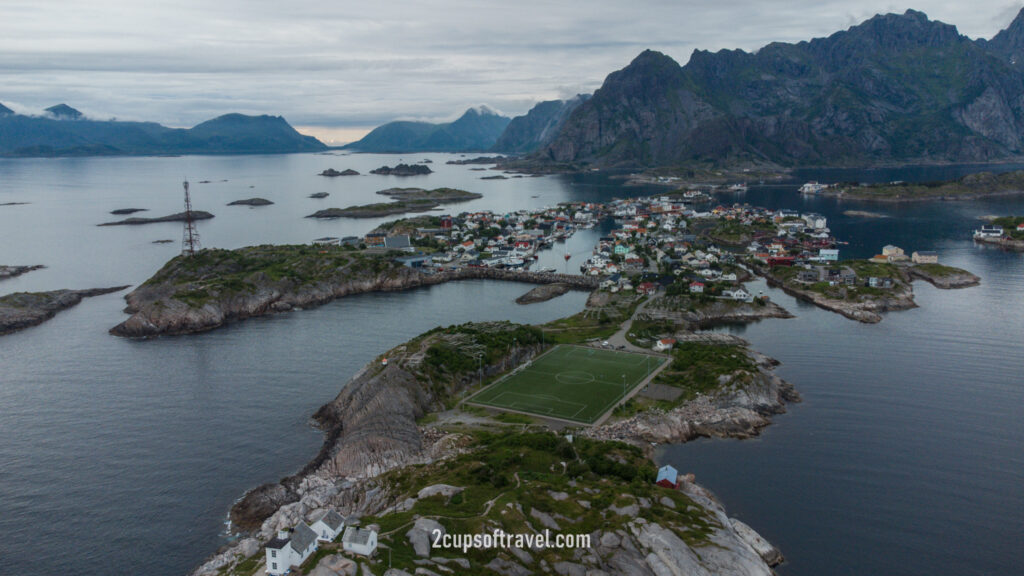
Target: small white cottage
[359, 541]
[290, 548]
[328, 526]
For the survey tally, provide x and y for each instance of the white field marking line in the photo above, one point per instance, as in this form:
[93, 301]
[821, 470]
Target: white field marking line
[530, 396]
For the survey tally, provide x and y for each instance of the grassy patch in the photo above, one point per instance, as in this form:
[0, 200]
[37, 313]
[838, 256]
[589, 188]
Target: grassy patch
[696, 367]
[570, 382]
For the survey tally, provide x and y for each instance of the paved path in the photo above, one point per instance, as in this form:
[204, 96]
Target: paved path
[619, 338]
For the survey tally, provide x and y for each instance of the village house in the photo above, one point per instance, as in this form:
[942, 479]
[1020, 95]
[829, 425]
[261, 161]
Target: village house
[668, 477]
[328, 526]
[696, 287]
[290, 548]
[359, 541]
[664, 344]
[739, 294]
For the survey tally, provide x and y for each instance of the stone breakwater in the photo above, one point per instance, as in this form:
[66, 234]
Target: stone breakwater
[155, 311]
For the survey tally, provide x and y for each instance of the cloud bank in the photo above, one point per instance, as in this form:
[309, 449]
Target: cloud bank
[345, 66]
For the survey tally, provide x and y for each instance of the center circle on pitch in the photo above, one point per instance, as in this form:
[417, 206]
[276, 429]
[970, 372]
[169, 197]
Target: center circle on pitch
[574, 377]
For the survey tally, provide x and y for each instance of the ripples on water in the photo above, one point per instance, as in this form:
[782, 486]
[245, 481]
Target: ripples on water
[905, 457]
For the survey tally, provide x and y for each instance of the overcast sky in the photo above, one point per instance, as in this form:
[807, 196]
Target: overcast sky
[336, 69]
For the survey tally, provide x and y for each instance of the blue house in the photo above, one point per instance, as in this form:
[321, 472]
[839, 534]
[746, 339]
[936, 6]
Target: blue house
[667, 477]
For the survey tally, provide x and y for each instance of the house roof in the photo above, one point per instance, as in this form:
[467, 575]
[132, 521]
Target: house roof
[356, 535]
[302, 537]
[667, 472]
[278, 543]
[332, 519]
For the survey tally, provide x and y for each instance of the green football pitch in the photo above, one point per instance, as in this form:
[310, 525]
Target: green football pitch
[569, 382]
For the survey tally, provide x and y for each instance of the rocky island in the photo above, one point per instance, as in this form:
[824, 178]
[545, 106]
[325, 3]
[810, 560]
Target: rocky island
[861, 289]
[970, 187]
[216, 287]
[403, 454]
[319, 195]
[332, 173]
[126, 211]
[179, 217]
[24, 309]
[403, 170]
[251, 202]
[13, 271]
[405, 200]
[543, 293]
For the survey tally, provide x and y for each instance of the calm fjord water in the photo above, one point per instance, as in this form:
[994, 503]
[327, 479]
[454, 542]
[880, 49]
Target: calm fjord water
[124, 456]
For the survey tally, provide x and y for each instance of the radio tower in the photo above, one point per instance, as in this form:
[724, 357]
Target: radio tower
[190, 236]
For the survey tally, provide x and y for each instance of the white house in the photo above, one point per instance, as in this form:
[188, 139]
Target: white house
[738, 294]
[696, 287]
[359, 541]
[664, 344]
[328, 526]
[290, 549]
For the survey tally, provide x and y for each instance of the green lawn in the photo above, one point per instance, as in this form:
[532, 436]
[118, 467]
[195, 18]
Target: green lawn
[569, 382]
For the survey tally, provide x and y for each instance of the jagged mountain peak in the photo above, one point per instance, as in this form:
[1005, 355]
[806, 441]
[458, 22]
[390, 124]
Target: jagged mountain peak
[1008, 44]
[897, 87]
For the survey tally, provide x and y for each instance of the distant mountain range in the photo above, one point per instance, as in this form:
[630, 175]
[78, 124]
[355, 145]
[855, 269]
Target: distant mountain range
[896, 88]
[65, 132]
[538, 127]
[476, 130]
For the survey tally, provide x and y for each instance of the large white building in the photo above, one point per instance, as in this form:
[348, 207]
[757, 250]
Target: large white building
[290, 548]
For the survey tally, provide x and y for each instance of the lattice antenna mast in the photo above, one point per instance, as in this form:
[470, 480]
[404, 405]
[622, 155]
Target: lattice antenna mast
[189, 236]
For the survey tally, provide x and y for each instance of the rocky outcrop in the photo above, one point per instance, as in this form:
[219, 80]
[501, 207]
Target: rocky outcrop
[945, 279]
[714, 313]
[543, 293]
[126, 211]
[160, 307]
[402, 170]
[332, 173]
[13, 271]
[179, 217]
[740, 407]
[868, 310]
[24, 309]
[251, 202]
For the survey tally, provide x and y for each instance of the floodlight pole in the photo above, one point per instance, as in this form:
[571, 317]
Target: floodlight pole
[623, 385]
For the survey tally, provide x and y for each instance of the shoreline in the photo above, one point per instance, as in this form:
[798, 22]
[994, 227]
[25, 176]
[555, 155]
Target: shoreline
[155, 313]
[371, 430]
[1005, 243]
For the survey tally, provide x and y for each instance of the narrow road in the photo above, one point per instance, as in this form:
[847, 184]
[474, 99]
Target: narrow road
[619, 338]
